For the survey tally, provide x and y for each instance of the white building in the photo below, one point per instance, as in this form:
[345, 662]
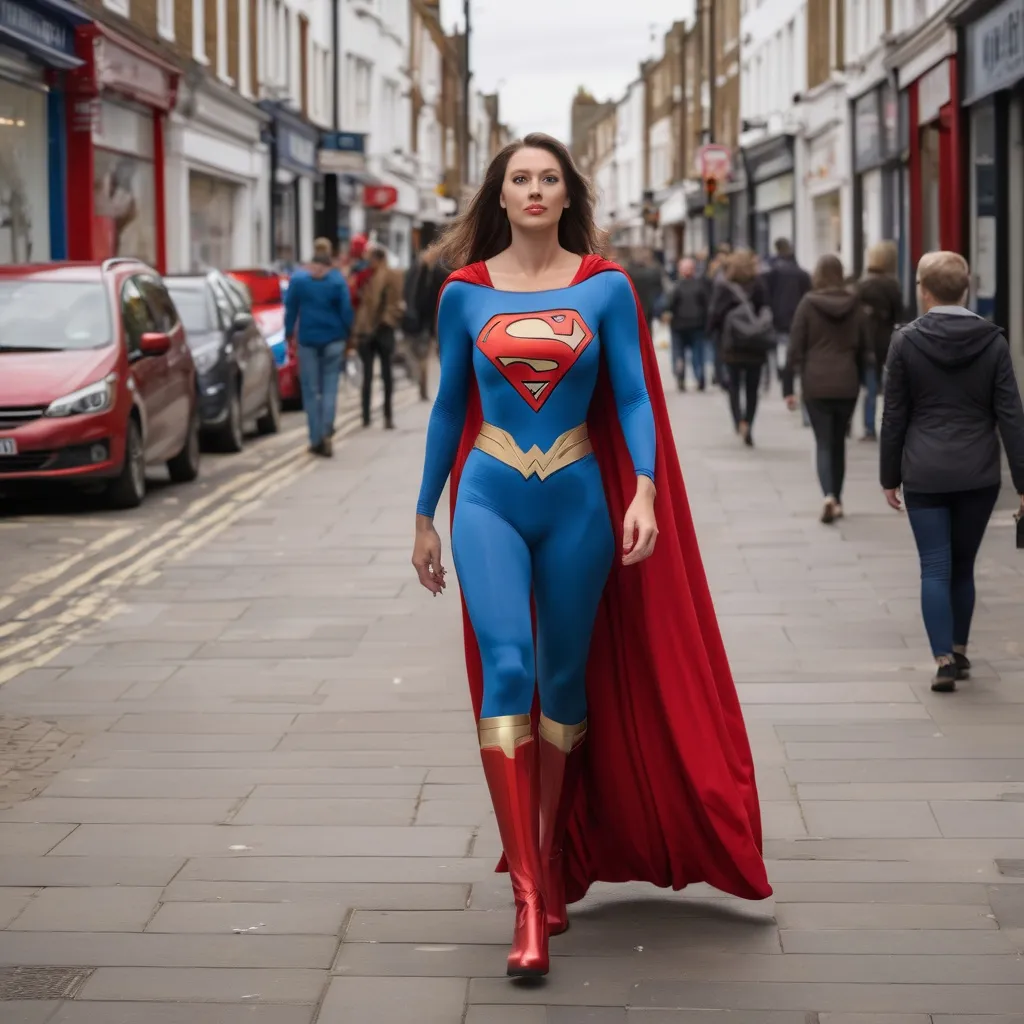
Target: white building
[375, 91]
[627, 178]
[773, 72]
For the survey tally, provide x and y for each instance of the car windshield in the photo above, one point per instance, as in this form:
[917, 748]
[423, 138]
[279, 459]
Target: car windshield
[53, 315]
[193, 305]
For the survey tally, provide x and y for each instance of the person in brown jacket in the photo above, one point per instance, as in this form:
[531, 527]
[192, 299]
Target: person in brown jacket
[829, 347]
[880, 292]
[378, 315]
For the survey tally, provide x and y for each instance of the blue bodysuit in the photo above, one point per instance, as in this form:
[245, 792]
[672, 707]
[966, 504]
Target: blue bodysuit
[531, 514]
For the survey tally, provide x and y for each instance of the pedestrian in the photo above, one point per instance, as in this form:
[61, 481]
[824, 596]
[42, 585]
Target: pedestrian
[419, 325]
[378, 315]
[786, 283]
[553, 503]
[740, 322]
[882, 297]
[646, 276]
[318, 312]
[949, 389]
[829, 349]
[687, 315]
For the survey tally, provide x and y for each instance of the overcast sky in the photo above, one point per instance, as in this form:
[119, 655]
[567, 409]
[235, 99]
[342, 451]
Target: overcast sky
[537, 55]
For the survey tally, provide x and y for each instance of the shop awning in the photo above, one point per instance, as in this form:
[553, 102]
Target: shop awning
[673, 208]
[44, 29]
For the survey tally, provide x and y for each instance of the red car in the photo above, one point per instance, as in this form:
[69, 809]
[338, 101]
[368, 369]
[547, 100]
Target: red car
[266, 290]
[96, 380]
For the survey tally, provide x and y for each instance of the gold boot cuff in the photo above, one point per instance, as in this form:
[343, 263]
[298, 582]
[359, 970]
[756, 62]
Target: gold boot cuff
[507, 732]
[564, 737]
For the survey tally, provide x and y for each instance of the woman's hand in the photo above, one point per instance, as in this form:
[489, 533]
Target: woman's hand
[791, 403]
[892, 495]
[640, 528]
[426, 556]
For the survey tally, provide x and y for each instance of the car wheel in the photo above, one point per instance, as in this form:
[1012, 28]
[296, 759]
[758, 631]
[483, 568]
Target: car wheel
[270, 421]
[231, 437]
[128, 488]
[184, 467]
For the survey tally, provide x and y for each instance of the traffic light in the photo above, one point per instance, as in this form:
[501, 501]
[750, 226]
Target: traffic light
[710, 187]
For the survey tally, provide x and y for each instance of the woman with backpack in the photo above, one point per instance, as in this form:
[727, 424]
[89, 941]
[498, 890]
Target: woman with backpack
[740, 321]
[830, 347]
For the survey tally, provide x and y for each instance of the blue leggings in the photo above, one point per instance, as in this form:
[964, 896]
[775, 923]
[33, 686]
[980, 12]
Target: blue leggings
[513, 537]
[948, 529]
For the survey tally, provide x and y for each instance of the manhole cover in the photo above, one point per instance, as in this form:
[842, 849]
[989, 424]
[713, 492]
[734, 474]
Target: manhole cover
[41, 982]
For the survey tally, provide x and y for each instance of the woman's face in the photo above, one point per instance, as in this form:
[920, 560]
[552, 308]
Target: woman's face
[534, 192]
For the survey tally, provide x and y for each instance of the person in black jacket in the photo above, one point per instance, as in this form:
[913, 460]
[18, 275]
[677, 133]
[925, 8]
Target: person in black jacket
[423, 286]
[786, 283]
[687, 315]
[739, 282]
[950, 386]
[880, 292]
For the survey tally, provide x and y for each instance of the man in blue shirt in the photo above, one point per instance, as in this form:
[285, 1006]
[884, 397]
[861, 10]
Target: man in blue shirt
[318, 301]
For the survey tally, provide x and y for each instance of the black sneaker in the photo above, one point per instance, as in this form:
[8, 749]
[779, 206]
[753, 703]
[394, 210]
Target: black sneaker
[945, 678]
[963, 666]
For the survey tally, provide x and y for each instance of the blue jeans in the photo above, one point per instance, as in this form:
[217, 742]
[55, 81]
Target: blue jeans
[692, 341]
[870, 400]
[948, 529]
[319, 373]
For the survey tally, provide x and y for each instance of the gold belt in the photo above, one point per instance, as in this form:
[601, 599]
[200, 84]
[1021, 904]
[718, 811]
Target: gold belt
[568, 448]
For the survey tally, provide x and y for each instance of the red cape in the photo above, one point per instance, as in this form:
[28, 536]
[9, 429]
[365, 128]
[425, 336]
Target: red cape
[668, 793]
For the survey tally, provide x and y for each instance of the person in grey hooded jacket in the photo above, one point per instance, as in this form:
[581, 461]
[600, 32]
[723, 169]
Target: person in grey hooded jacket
[950, 389]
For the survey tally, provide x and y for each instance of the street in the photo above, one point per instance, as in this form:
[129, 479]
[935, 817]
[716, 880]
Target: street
[239, 779]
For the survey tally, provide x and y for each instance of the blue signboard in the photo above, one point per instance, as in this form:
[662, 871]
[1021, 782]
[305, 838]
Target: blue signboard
[49, 37]
[296, 151]
[343, 142]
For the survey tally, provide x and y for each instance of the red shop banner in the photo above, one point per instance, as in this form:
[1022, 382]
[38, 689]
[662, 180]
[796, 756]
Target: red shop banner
[379, 197]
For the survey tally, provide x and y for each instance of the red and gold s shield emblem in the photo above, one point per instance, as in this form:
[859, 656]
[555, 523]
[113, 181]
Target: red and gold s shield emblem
[534, 351]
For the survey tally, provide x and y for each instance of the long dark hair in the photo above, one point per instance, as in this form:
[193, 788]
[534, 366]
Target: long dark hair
[483, 230]
[828, 273]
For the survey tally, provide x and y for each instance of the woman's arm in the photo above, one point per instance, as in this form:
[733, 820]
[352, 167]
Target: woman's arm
[1010, 415]
[895, 417]
[620, 339]
[448, 417]
[797, 349]
[719, 304]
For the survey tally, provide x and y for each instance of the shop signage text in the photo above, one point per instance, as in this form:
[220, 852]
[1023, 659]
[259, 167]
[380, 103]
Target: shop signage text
[119, 69]
[342, 152]
[380, 197]
[34, 27]
[296, 150]
[343, 142]
[995, 50]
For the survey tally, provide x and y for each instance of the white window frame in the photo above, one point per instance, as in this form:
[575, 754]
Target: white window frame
[222, 41]
[245, 30]
[165, 19]
[122, 7]
[199, 32]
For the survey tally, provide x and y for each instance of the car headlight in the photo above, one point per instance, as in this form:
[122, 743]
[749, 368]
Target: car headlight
[206, 358]
[93, 398]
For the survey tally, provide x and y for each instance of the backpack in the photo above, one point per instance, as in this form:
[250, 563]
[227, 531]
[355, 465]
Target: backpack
[745, 332]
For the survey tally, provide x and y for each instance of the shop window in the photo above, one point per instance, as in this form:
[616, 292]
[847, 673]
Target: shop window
[24, 181]
[125, 207]
[211, 219]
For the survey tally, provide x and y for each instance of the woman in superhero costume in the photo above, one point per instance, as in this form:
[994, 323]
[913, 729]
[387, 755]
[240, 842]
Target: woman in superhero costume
[550, 419]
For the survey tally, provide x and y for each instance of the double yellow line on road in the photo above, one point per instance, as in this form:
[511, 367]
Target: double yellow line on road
[197, 525]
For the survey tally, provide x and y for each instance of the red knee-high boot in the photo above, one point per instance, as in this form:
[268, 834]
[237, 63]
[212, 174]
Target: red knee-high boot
[509, 756]
[560, 762]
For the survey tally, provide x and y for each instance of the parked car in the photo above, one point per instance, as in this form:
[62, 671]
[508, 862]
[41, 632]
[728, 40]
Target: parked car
[266, 289]
[237, 376]
[96, 379]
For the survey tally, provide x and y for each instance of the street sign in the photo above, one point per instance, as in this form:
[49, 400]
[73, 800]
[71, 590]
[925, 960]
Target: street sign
[714, 161]
[380, 197]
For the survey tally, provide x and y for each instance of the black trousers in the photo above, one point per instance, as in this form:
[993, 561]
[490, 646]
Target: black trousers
[744, 379]
[381, 345]
[830, 420]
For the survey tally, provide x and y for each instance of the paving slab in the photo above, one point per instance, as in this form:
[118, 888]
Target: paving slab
[274, 734]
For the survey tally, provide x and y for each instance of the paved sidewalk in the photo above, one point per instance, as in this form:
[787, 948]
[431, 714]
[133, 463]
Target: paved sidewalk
[264, 801]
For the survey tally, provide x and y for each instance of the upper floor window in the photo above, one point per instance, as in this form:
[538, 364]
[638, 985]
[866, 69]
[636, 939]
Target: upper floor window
[165, 19]
[120, 6]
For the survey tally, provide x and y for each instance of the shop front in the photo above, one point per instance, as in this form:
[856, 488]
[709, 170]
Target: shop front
[770, 173]
[118, 104]
[294, 173]
[992, 59]
[37, 46]
[876, 170]
[217, 171]
[932, 186]
[823, 181]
